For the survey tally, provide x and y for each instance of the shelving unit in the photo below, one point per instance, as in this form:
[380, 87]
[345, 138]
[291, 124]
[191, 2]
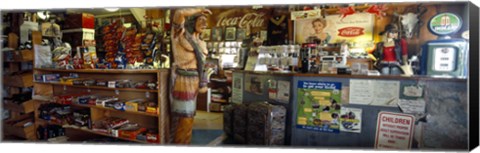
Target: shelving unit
[17, 80]
[221, 83]
[158, 121]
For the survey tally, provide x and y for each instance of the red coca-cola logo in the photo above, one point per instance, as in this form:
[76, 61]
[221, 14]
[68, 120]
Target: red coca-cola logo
[350, 32]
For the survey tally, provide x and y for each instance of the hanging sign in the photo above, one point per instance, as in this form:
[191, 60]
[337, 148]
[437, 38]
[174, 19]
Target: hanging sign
[298, 15]
[394, 131]
[445, 24]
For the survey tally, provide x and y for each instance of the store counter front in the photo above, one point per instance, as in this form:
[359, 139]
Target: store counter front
[359, 111]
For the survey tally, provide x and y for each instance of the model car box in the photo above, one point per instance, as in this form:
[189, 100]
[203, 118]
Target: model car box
[101, 101]
[70, 81]
[153, 137]
[132, 134]
[132, 105]
[67, 99]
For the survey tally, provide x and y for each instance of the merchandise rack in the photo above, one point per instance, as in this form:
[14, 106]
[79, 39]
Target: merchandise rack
[158, 121]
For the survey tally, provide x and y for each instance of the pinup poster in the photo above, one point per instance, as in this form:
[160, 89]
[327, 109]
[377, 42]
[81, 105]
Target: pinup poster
[351, 120]
[319, 106]
[357, 28]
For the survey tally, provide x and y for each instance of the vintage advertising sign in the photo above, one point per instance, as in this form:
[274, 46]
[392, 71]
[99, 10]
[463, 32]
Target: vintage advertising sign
[241, 18]
[445, 24]
[298, 15]
[319, 106]
[394, 131]
[356, 28]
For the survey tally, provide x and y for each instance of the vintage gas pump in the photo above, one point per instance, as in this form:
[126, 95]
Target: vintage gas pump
[446, 56]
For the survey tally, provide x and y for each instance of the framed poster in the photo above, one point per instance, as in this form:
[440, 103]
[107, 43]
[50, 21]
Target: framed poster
[241, 34]
[217, 34]
[319, 106]
[230, 33]
[206, 34]
[334, 29]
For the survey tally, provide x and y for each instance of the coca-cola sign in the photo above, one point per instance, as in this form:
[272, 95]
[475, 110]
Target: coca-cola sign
[250, 19]
[241, 18]
[351, 32]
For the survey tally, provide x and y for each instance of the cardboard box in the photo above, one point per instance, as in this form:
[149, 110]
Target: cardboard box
[24, 79]
[79, 20]
[132, 134]
[216, 107]
[69, 81]
[152, 110]
[23, 55]
[153, 138]
[131, 106]
[25, 107]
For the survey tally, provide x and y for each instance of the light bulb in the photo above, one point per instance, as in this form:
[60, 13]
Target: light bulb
[112, 9]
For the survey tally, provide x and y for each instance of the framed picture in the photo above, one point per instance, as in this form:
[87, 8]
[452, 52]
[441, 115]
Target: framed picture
[263, 35]
[206, 34]
[217, 34]
[230, 33]
[241, 34]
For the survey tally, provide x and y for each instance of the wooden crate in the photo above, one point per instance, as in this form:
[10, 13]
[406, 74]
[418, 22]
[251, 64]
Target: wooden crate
[25, 107]
[23, 55]
[18, 130]
[24, 79]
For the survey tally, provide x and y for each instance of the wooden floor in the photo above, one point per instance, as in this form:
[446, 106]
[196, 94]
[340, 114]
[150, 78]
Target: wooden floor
[208, 120]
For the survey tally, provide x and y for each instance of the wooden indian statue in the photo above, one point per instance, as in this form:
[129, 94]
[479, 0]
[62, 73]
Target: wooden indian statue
[188, 74]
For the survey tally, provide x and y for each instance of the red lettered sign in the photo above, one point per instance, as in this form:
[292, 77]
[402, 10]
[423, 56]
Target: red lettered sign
[394, 131]
[351, 32]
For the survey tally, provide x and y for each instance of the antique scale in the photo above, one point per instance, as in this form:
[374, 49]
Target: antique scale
[446, 56]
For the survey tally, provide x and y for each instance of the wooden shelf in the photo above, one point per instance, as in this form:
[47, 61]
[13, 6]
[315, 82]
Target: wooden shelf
[25, 107]
[41, 121]
[106, 71]
[158, 121]
[106, 108]
[99, 87]
[107, 135]
[18, 61]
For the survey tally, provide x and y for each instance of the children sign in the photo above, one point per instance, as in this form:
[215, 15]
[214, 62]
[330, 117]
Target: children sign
[394, 131]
